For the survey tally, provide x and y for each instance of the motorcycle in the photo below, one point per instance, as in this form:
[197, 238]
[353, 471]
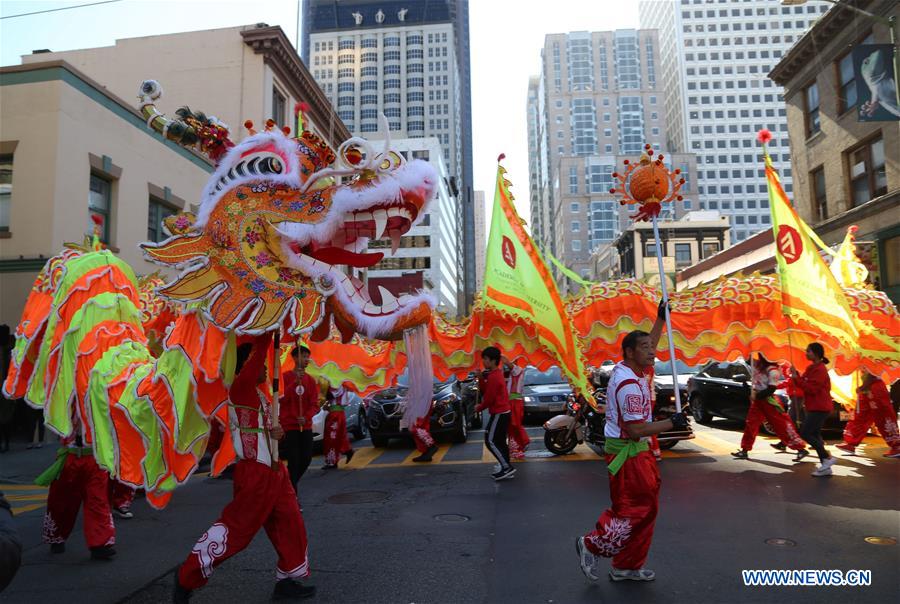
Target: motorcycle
[580, 423]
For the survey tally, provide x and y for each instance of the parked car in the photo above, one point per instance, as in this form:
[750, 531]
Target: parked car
[544, 392]
[469, 390]
[356, 419]
[452, 413]
[665, 398]
[600, 375]
[723, 390]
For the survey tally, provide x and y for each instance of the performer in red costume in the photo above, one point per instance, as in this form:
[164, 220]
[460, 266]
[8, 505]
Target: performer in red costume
[421, 433]
[76, 479]
[495, 399]
[816, 387]
[624, 531]
[518, 437]
[335, 441]
[263, 495]
[299, 404]
[873, 406]
[766, 407]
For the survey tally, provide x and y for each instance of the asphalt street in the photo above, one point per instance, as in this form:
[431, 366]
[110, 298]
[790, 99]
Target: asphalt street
[388, 530]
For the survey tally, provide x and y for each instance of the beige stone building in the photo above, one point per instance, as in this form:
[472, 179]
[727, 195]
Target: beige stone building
[72, 142]
[69, 149]
[846, 171]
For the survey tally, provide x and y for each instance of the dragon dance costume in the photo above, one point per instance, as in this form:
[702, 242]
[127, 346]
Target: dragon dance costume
[873, 407]
[765, 407]
[518, 437]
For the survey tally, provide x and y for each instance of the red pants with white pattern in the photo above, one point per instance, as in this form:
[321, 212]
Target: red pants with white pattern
[335, 442]
[518, 437]
[884, 419]
[263, 498]
[421, 432]
[121, 496]
[82, 482]
[780, 421]
[624, 531]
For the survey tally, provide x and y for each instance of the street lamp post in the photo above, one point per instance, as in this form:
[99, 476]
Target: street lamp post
[891, 23]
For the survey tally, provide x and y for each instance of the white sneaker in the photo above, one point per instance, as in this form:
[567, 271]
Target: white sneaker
[823, 470]
[829, 462]
[642, 574]
[588, 560]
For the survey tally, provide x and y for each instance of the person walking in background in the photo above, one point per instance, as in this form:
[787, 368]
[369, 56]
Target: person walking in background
[495, 399]
[36, 427]
[335, 441]
[766, 407]
[299, 403]
[816, 387]
[518, 437]
[873, 406]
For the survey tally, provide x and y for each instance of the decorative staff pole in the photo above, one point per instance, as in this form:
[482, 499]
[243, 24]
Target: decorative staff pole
[650, 184]
[276, 402]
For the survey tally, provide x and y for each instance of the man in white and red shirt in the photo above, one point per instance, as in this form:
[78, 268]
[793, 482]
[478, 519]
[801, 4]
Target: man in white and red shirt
[518, 437]
[624, 531]
[263, 494]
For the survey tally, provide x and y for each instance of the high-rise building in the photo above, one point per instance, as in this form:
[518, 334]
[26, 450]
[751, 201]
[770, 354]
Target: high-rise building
[714, 61]
[426, 256]
[410, 61]
[597, 102]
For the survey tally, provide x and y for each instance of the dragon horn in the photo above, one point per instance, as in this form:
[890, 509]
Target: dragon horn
[174, 130]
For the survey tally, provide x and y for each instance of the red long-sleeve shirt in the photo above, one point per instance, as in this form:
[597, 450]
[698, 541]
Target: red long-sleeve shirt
[875, 397]
[294, 405]
[251, 407]
[816, 386]
[494, 396]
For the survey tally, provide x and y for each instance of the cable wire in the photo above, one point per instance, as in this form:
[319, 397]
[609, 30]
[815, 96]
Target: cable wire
[53, 10]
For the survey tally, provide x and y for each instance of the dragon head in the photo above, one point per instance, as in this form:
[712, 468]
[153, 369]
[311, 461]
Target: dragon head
[283, 226]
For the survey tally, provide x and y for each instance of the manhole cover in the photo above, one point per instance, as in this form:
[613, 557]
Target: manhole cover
[358, 497]
[779, 542]
[452, 518]
[881, 540]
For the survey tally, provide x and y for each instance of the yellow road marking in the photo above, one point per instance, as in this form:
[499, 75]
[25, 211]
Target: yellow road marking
[487, 456]
[21, 487]
[27, 508]
[33, 497]
[363, 457]
[713, 444]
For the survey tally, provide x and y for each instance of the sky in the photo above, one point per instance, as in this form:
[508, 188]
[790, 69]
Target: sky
[506, 39]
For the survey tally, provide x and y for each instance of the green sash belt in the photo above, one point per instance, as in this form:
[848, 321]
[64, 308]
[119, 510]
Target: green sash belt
[336, 408]
[515, 396]
[53, 472]
[775, 402]
[623, 449]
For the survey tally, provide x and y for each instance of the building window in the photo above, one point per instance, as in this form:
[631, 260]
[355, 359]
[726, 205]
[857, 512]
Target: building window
[346, 87]
[157, 212]
[346, 44]
[574, 207]
[366, 72]
[414, 53]
[820, 206]
[278, 104]
[868, 178]
[394, 41]
[682, 254]
[710, 248]
[99, 202]
[6, 172]
[369, 57]
[573, 179]
[847, 81]
[576, 226]
[576, 245]
[391, 55]
[650, 249]
[811, 109]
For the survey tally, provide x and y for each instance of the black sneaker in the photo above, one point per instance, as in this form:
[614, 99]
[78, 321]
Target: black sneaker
[180, 595]
[288, 589]
[427, 455]
[801, 454]
[57, 548]
[105, 552]
[123, 513]
[504, 474]
[740, 454]
[779, 446]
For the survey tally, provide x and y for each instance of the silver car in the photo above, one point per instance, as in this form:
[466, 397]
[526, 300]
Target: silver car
[356, 419]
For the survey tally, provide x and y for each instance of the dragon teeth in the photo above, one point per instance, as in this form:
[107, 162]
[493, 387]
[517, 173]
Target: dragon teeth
[381, 219]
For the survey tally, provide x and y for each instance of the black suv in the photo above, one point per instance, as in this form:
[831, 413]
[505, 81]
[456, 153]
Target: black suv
[452, 413]
[723, 390]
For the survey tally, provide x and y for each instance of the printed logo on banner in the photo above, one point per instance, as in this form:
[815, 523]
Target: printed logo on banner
[509, 252]
[790, 246]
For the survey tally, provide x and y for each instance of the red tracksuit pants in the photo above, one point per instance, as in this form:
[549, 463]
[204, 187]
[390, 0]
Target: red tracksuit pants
[121, 496]
[263, 498]
[335, 442]
[624, 531]
[781, 422]
[884, 419]
[421, 432]
[518, 437]
[81, 482]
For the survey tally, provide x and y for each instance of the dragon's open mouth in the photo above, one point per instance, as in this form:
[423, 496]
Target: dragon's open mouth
[347, 246]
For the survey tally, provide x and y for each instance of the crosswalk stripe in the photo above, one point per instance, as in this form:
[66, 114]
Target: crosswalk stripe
[363, 457]
[21, 487]
[32, 497]
[713, 444]
[27, 508]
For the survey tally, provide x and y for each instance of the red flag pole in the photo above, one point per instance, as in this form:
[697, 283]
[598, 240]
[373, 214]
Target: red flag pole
[665, 295]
